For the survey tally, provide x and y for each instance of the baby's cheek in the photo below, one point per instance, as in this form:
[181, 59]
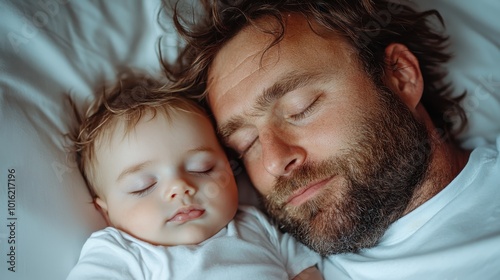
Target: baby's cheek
[212, 190]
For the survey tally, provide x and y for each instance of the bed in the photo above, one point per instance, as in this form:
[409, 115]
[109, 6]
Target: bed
[53, 51]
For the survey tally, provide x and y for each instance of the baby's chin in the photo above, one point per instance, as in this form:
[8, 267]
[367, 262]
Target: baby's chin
[193, 236]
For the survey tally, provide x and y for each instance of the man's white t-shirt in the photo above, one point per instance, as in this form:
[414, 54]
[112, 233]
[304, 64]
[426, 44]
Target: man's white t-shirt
[249, 247]
[454, 235]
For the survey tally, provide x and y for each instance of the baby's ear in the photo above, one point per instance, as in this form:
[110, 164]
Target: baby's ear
[102, 207]
[402, 74]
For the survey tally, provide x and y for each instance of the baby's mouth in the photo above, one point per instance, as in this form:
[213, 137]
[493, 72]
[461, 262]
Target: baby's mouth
[186, 213]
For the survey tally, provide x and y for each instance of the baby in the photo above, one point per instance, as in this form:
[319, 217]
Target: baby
[156, 171]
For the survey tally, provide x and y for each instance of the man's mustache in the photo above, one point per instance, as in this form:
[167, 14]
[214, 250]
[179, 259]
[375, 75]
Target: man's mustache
[304, 175]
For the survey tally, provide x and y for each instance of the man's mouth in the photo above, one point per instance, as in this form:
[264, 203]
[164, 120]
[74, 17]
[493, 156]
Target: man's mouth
[303, 194]
[186, 213]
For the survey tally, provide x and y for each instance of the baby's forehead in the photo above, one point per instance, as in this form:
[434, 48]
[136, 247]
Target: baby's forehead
[119, 128]
[125, 133]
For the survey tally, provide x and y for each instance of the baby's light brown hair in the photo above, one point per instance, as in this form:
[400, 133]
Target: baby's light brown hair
[133, 97]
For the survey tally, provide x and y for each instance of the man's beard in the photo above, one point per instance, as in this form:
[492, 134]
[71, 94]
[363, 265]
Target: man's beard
[375, 181]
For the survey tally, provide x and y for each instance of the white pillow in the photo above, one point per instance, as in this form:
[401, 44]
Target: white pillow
[55, 49]
[475, 42]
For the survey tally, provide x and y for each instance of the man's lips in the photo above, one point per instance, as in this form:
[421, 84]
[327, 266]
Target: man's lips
[187, 213]
[303, 194]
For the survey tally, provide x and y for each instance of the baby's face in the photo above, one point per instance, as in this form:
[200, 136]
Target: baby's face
[167, 182]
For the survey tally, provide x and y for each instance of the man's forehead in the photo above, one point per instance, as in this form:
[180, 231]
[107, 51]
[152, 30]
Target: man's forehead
[245, 66]
[236, 61]
[254, 43]
[249, 51]
[247, 46]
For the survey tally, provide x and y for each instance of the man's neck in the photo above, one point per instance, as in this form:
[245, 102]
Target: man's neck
[447, 161]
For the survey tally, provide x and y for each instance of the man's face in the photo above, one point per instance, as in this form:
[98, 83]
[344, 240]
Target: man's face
[335, 158]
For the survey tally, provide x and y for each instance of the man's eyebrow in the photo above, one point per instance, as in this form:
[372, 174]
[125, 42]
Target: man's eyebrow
[133, 169]
[287, 83]
[228, 128]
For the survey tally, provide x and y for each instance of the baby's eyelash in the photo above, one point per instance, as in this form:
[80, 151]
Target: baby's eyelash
[205, 172]
[145, 191]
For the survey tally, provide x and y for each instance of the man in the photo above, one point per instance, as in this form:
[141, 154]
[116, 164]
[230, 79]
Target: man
[339, 113]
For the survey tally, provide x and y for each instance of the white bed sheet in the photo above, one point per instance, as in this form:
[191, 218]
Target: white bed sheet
[55, 49]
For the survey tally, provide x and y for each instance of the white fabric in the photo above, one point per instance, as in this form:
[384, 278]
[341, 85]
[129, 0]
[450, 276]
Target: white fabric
[455, 235]
[248, 248]
[51, 50]
[474, 31]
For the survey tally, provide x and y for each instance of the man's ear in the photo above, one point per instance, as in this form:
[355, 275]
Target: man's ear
[402, 74]
[102, 207]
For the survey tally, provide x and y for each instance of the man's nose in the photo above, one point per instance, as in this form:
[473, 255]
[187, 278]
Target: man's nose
[280, 156]
[178, 189]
